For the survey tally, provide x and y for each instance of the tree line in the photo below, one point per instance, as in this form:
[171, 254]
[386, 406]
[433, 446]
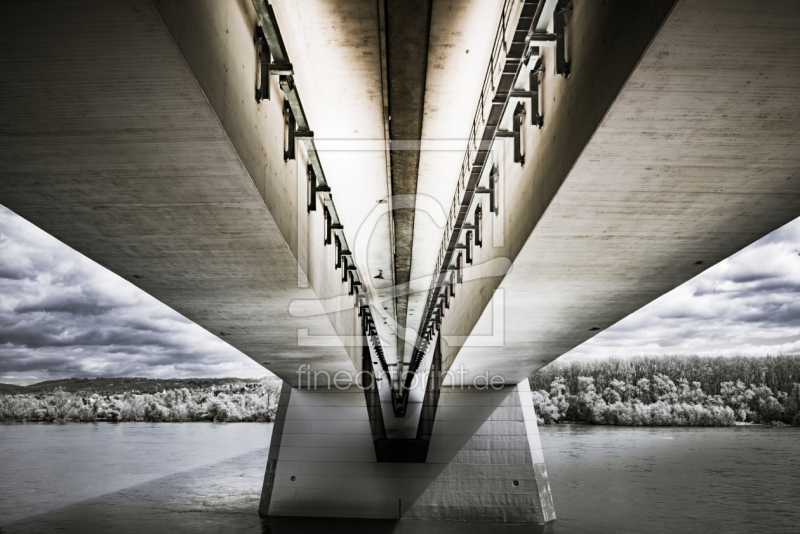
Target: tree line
[650, 391]
[670, 391]
[242, 401]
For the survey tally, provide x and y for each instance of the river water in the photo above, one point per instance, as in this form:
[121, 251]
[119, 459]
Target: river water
[191, 477]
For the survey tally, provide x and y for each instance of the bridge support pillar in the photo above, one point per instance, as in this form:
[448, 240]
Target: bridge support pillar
[484, 461]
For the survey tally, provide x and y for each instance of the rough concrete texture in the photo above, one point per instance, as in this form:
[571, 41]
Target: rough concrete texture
[479, 483]
[223, 32]
[408, 25]
[625, 195]
[110, 145]
[461, 39]
[614, 35]
[274, 449]
[335, 51]
[482, 442]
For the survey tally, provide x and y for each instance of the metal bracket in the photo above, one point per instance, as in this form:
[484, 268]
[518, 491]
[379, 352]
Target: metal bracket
[314, 188]
[452, 284]
[281, 69]
[475, 227]
[560, 30]
[347, 268]
[354, 283]
[521, 94]
[534, 81]
[326, 216]
[343, 254]
[264, 57]
[542, 40]
[516, 132]
[467, 247]
[330, 226]
[289, 132]
[455, 273]
[519, 117]
[477, 219]
[490, 191]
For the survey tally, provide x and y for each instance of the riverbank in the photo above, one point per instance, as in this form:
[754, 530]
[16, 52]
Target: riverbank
[668, 391]
[125, 400]
[652, 391]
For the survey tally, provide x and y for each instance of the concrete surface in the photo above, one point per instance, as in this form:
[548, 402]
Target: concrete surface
[335, 50]
[167, 173]
[462, 35]
[482, 442]
[626, 195]
[408, 26]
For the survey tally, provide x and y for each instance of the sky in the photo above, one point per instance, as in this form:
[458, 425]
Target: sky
[747, 304]
[62, 315]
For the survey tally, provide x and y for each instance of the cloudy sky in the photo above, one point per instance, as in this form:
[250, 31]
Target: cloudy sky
[746, 304]
[62, 315]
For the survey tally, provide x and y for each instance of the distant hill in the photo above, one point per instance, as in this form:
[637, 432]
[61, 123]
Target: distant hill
[119, 385]
[10, 389]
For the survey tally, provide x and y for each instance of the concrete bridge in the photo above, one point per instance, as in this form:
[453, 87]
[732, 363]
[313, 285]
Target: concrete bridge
[403, 208]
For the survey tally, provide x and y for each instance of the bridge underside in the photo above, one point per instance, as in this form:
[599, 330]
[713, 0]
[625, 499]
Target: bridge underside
[110, 144]
[130, 132]
[627, 195]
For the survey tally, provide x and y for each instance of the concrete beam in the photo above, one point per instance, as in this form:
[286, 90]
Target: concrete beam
[408, 24]
[670, 147]
[461, 39]
[335, 51]
[155, 161]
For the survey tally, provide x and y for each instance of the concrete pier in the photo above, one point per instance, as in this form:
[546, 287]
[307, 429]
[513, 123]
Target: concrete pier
[485, 460]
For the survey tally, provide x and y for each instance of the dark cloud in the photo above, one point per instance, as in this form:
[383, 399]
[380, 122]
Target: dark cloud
[746, 278]
[63, 315]
[69, 306]
[8, 273]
